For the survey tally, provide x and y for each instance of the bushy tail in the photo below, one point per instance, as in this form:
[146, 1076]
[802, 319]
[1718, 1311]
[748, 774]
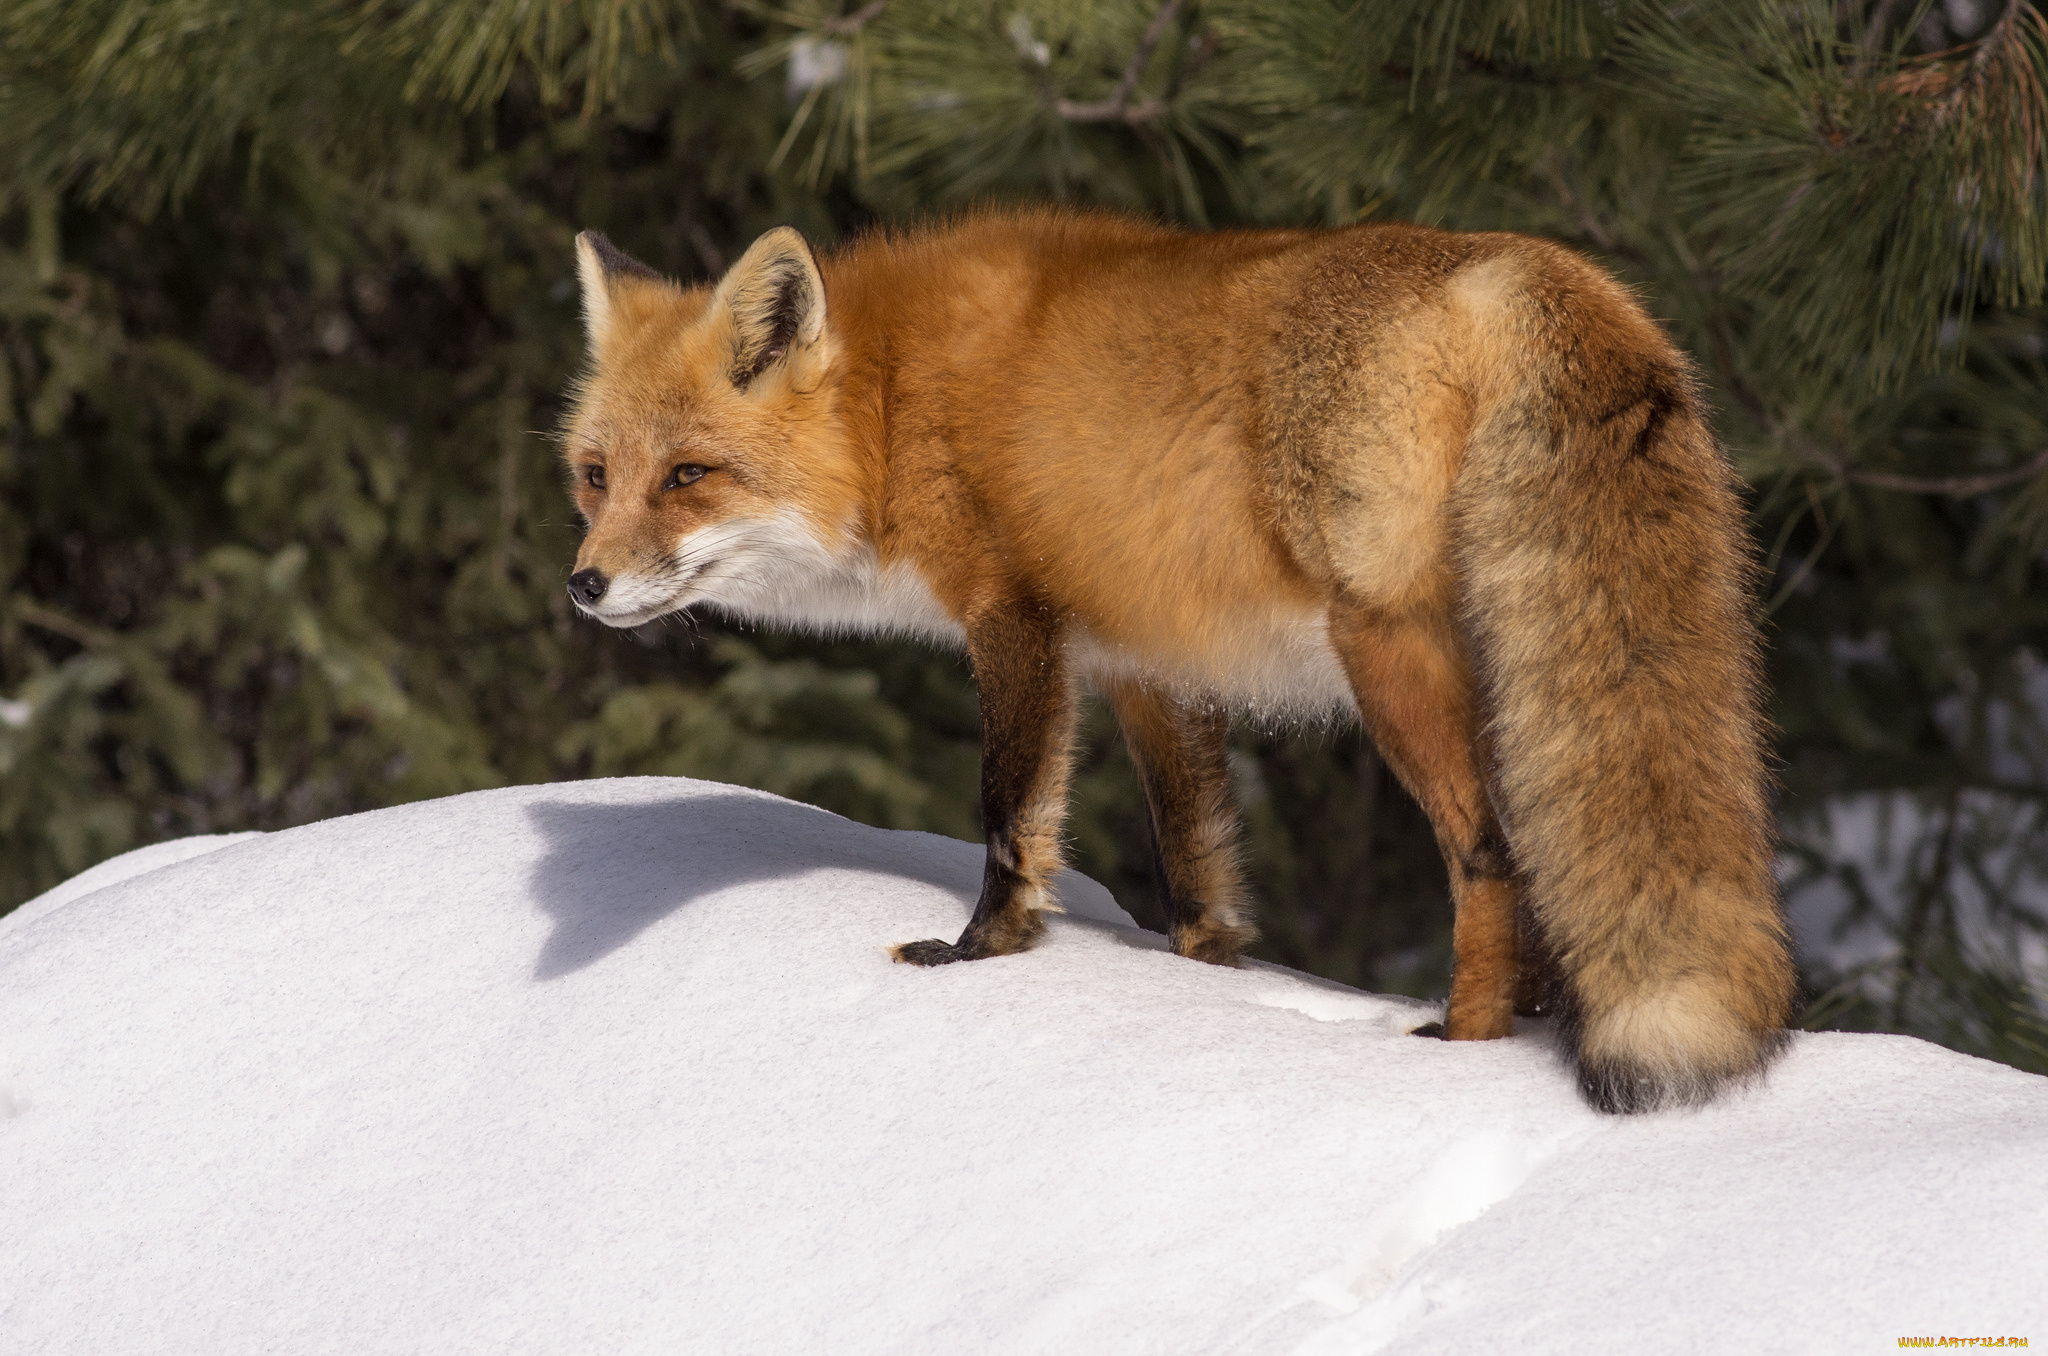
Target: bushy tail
[1607, 582]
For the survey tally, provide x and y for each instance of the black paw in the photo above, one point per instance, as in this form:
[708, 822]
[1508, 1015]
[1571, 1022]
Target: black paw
[1433, 1029]
[931, 951]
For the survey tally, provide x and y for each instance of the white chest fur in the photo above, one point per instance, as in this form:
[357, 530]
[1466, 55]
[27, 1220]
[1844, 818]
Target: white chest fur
[784, 575]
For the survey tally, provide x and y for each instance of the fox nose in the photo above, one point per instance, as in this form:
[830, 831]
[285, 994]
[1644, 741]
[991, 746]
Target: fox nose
[587, 586]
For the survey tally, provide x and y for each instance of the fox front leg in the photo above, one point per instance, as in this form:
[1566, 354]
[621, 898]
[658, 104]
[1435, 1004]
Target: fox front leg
[1181, 748]
[1028, 706]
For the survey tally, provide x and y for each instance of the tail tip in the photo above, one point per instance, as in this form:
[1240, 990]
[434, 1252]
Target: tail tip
[1629, 1068]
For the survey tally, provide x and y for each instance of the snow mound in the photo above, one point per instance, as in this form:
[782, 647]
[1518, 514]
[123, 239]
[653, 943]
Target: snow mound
[623, 1066]
[125, 867]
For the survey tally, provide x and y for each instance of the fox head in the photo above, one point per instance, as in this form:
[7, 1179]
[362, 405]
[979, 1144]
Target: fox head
[705, 447]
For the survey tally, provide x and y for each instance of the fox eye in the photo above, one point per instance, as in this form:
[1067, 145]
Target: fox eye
[684, 475]
[593, 476]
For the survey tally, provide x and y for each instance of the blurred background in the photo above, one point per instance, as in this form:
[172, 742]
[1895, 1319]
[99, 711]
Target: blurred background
[287, 310]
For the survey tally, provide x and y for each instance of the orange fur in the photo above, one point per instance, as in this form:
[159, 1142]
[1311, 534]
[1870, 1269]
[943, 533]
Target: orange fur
[1458, 483]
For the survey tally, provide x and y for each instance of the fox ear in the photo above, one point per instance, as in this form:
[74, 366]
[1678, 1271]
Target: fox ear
[601, 267]
[777, 302]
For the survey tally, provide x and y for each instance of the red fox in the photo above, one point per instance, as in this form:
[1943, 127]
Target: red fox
[1458, 485]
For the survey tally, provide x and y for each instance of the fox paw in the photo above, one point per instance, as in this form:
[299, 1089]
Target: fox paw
[1433, 1030]
[931, 951]
[1210, 945]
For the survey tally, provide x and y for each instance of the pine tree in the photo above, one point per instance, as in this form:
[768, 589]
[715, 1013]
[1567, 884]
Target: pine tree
[285, 292]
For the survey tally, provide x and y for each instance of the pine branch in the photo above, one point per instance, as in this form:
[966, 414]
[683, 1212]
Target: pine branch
[470, 51]
[1999, 59]
[48, 619]
[1118, 106]
[1881, 17]
[1957, 487]
[1961, 487]
[1989, 49]
[850, 25]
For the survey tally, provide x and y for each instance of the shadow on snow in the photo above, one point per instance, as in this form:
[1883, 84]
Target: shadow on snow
[612, 871]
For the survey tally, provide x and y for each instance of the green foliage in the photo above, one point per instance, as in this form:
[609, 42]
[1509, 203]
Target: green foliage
[1890, 190]
[280, 537]
[953, 101]
[286, 311]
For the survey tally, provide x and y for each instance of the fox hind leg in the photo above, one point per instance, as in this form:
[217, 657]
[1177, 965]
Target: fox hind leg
[1028, 707]
[1180, 748]
[1414, 689]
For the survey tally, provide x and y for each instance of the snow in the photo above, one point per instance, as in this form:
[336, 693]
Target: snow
[1864, 858]
[1859, 860]
[622, 1066]
[127, 866]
